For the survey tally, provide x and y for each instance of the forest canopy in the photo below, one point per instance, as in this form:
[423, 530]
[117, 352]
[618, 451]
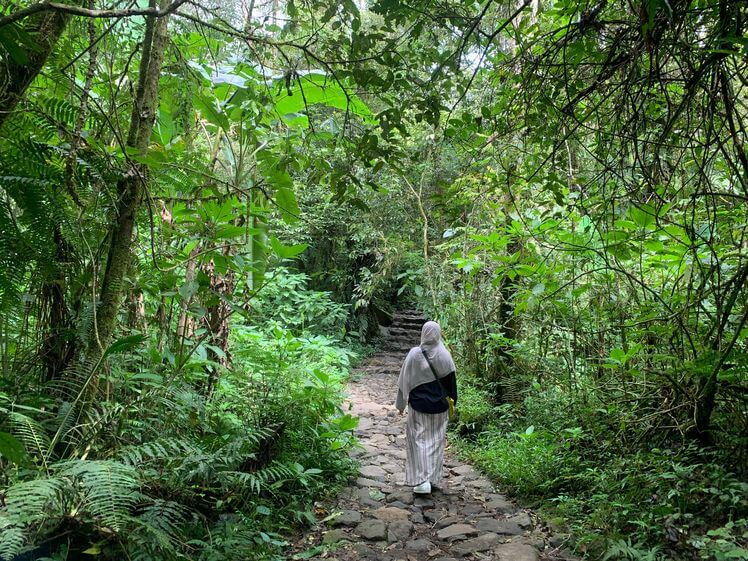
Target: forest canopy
[208, 209]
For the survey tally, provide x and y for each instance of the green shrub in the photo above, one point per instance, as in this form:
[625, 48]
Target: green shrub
[164, 473]
[526, 463]
[475, 407]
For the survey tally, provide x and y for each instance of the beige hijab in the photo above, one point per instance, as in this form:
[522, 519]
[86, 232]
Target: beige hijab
[415, 370]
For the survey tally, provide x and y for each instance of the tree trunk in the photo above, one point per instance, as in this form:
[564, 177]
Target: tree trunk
[130, 187]
[58, 347]
[708, 386]
[216, 321]
[46, 28]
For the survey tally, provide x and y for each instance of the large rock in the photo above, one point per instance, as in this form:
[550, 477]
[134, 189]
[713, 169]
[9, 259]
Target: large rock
[391, 513]
[402, 496]
[465, 470]
[419, 545]
[398, 504]
[508, 528]
[516, 552]
[471, 509]
[366, 482]
[372, 530]
[480, 484]
[457, 532]
[497, 503]
[347, 518]
[446, 521]
[399, 530]
[373, 472]
[364, 424]
[522, 520]
[481, 543]
[423, 502]
[334, 536]
[370, 497]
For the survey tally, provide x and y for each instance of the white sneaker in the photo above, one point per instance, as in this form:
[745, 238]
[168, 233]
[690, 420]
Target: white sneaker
[422, 489]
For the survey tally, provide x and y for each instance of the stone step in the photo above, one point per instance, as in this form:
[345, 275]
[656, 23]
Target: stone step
[408, 329]
[401, 351]
[397, 319]
[410, 312]
[408, 317]
[403, 341]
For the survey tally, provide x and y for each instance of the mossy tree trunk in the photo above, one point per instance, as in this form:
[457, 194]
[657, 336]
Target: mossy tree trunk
[130, 187]
[17, 74]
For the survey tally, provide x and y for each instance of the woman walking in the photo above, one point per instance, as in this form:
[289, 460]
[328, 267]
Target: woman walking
[427, 378]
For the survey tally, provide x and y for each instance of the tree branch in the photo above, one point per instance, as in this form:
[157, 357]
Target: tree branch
[86, 12]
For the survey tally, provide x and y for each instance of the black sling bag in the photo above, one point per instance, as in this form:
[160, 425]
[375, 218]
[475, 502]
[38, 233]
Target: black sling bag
[450, 402]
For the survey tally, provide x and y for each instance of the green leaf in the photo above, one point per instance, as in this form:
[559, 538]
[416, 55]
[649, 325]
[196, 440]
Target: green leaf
[125, 344]
[319, 89]
[618, 355]
[209, 111]
[287, 251]
[228, 231]
[346, 422]
[12, 449]
[18, 42]
[286, 201]
[189, 289]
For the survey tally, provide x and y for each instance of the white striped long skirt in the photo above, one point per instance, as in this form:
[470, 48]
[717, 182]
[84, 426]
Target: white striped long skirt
[425, 434]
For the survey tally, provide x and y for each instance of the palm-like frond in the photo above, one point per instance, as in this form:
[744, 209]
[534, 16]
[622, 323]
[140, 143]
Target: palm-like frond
[109, 490]
[29, 431]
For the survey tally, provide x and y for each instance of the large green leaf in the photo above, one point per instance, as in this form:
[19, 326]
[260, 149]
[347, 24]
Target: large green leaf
[287, 251]
[125, 344]
[11, 448]
[318, 89]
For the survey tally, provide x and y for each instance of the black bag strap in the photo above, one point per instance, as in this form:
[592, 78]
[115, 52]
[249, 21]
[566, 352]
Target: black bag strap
[433, 371]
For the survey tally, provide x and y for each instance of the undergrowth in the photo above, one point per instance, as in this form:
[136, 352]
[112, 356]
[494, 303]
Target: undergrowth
[643, 503]
[155, 471]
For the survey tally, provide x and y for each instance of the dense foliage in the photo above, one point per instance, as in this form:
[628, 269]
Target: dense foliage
[206, 207]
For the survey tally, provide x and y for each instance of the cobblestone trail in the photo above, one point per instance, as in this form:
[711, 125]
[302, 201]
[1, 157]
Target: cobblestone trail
[378, 518]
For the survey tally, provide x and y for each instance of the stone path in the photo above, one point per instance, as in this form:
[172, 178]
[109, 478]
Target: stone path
[377, 518]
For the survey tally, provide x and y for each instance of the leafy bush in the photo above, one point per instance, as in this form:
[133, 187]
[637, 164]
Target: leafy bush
[477, 411]
[286, 301]
[526, 463]
[650, 503]
[164, 473]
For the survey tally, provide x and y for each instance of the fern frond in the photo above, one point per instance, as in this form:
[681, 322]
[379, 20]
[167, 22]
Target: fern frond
[31, 433]
[257, 481]
[39, 499]
[160, 524]
[162, 450]
[110, 489]
[12, 541]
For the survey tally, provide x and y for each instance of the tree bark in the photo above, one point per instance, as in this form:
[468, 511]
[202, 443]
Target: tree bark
[15, 77]
[131, 186]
